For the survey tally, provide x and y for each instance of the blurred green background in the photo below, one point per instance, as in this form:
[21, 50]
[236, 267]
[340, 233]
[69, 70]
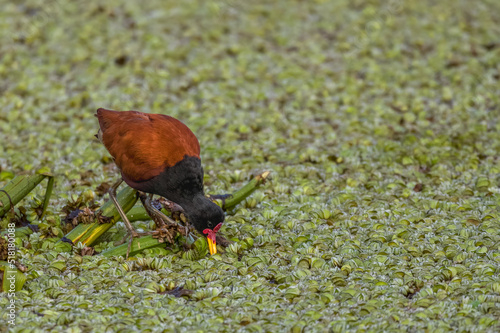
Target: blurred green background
[378, 119]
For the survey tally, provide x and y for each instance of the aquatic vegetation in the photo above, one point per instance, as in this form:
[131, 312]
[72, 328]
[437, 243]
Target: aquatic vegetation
[379, 122]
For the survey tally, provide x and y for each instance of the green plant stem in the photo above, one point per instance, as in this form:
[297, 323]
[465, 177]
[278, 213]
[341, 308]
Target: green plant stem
[139, 244]
[17, 189]
[48, 193]
[137, 213]
[243, 192]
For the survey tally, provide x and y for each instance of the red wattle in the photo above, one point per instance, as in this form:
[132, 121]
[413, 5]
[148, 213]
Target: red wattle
[211, 233]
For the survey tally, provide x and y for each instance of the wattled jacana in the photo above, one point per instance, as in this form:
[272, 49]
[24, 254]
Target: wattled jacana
[158, 154]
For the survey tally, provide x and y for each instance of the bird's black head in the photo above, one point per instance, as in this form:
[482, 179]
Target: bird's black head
[207, 218]
[204, 214]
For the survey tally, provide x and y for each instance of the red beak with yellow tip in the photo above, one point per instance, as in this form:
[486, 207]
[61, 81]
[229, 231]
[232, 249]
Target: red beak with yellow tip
[211, 236]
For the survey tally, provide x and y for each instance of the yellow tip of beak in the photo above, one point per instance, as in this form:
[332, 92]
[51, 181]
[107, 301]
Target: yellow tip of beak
[212, 246]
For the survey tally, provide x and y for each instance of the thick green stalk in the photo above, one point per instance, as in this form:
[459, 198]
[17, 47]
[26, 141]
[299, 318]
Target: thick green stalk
[139, 244]
[48, 193]
[243, 192]
[137, 213]
[17, 189]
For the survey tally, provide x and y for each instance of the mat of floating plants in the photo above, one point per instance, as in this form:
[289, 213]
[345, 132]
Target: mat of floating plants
[378, 122]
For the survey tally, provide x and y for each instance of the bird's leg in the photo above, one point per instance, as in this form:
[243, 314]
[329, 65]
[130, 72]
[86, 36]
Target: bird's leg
[130, 230]
[112, 195]
[160, 219]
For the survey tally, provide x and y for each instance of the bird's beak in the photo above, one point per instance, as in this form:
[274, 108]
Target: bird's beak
[212, 246]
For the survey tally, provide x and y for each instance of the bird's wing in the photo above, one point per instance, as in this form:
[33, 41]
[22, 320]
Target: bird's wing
[142, 144]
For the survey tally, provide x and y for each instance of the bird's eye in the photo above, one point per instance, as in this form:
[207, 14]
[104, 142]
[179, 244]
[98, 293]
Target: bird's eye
[210, 224]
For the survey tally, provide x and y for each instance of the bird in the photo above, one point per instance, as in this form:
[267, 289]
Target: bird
[158, 154]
